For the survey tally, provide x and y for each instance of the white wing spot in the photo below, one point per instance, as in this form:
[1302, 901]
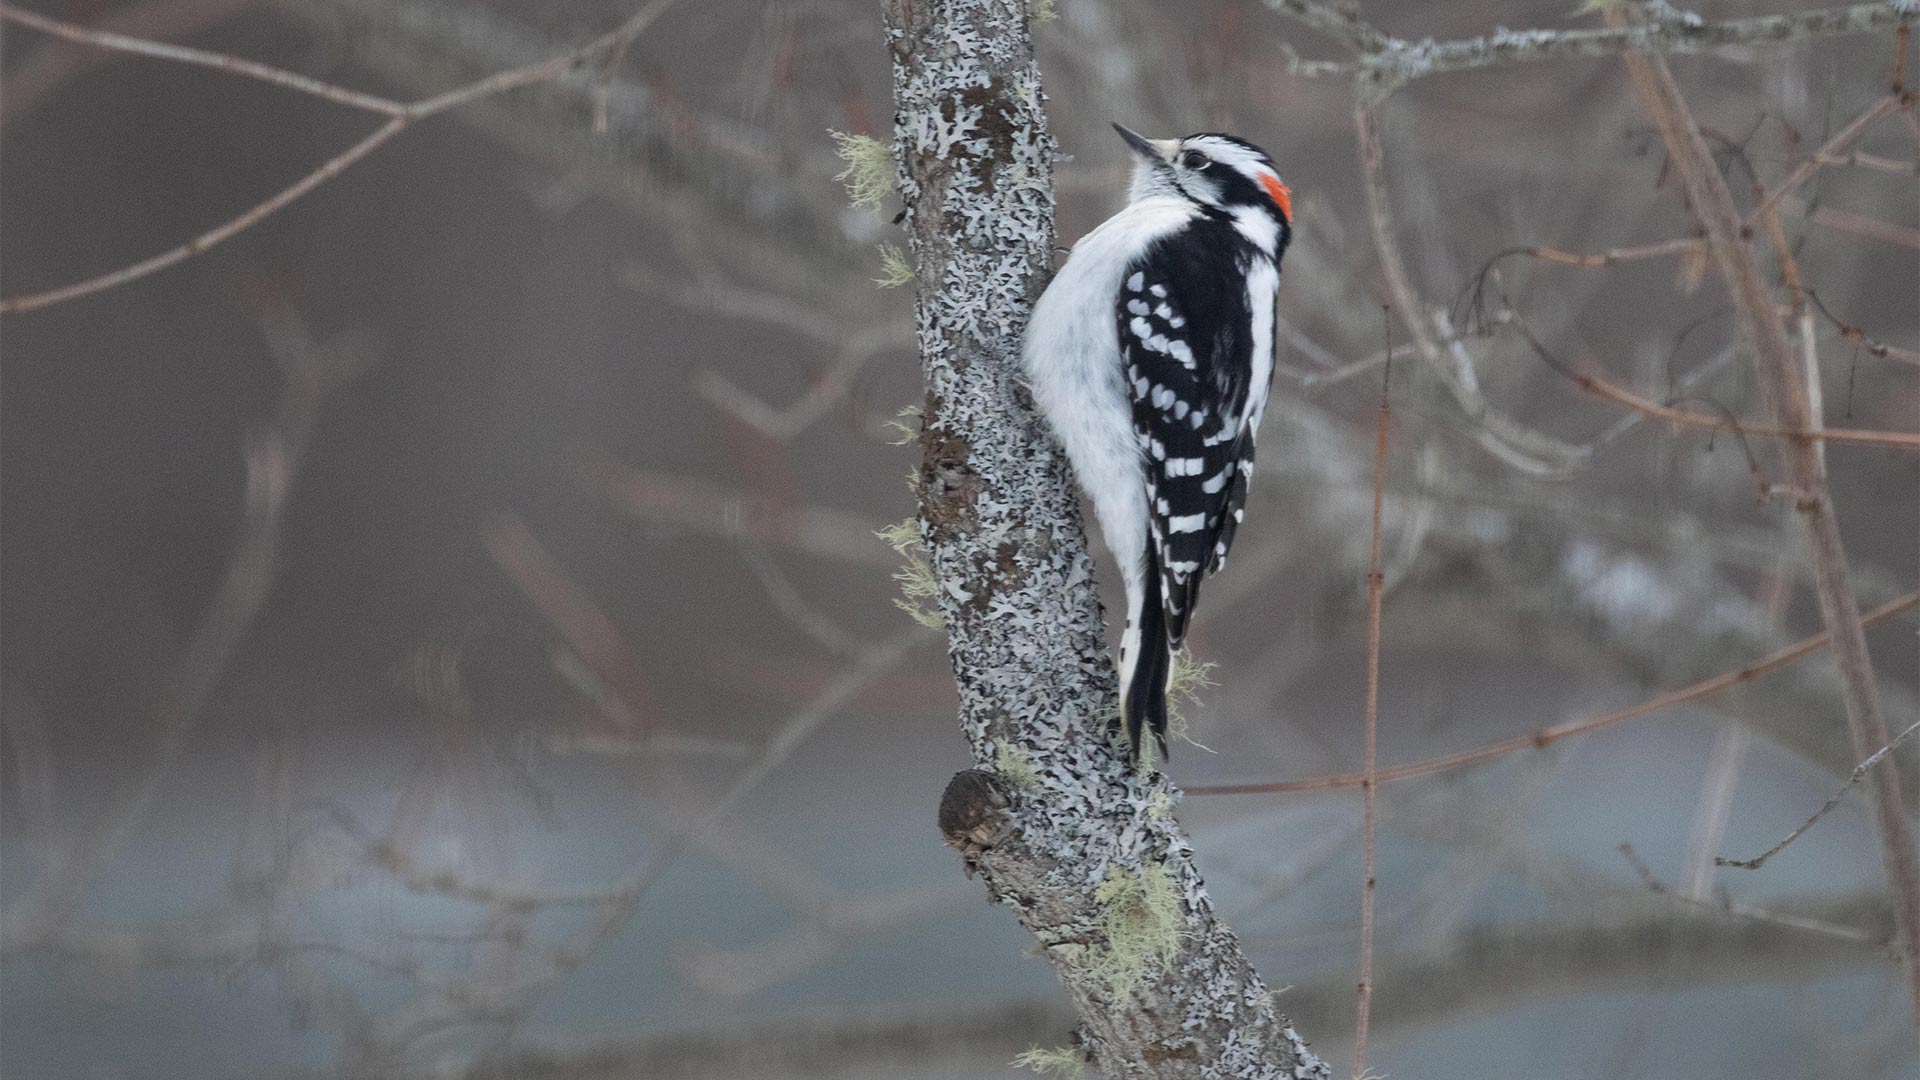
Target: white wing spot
[1159, 290]
[1187, 523]
[1136, 282]
[1137, 307]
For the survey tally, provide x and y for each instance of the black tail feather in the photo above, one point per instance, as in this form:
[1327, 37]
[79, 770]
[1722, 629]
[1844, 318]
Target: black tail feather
[1147, 694]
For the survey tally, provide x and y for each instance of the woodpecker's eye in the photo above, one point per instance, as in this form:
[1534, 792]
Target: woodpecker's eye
[1195, 160]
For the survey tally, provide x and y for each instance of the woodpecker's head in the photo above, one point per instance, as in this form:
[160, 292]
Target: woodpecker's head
[1220, 172]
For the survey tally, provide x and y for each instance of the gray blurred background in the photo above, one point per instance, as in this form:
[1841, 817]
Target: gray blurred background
[444, 631]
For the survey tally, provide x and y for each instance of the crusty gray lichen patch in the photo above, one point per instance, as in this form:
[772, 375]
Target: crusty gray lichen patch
[1094, 855]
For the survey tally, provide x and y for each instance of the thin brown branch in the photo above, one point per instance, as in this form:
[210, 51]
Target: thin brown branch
[1896, 440]
[1835, 147]
[1740, 911]
[333, 167]
[1376, 583]
[1860, 159]
[181, 54]
[1500, 435]
[402, 116]
[37, 73]
[1546, 737]
[1789, 380]
[1853, 224]
[1859, 771]
[1872, 346]
[1597, 260]
[1897, 78]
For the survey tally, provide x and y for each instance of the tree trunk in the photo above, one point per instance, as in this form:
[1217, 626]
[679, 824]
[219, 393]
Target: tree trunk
[1065, 830]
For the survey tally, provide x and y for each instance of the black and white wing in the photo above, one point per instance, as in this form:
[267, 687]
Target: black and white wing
[1196, 338]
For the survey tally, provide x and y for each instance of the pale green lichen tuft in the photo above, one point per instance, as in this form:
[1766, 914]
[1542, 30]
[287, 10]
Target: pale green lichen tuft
[1184, 682]
[895, 270]
[1011, 762]
[1141, 920]
[917, 584]
[869, 172]
[907, 432]
[1058, 1061]
[1043, 11]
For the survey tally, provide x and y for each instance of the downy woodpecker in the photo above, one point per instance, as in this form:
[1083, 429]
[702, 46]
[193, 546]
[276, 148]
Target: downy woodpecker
[1150, 355]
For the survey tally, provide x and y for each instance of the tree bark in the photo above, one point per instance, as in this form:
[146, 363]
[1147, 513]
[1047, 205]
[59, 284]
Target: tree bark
[1064, 828]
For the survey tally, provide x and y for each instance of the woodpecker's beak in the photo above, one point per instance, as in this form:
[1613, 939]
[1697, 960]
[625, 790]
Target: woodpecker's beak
[1157, 151]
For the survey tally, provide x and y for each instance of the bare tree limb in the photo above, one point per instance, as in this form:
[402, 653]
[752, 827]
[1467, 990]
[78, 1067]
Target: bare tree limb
[1825, 808]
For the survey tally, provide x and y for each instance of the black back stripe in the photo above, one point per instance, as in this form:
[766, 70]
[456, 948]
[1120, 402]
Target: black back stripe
[1185, 330]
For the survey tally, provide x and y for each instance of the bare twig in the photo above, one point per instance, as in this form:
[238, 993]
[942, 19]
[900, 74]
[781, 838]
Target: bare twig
[1846, 221]
[402, 116]
[1388, 63]
[1785, 378]
[1548, 736]
[181, 54]
[1742, 911]
[1872, 346]
[1376, 582]
[30, 78]
[1592, 384]
[1505, 438]
[1841, 142]
[1596, 260]
[1859, 771]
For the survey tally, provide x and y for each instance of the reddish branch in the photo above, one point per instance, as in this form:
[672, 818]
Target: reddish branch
[1548, 736]
[1376, 582]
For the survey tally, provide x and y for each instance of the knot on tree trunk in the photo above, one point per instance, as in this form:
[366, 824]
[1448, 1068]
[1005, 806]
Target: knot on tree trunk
[974, 813]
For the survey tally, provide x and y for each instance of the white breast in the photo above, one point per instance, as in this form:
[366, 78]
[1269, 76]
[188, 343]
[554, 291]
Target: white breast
[1073, 362]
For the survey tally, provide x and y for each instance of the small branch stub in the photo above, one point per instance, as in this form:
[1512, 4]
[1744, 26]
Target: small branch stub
[973, 814]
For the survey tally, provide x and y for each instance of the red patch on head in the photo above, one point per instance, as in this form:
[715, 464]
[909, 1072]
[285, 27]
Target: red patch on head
[1278, 192]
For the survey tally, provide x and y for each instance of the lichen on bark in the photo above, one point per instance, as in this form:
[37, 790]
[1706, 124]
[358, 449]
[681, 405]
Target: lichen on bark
[1080, 829]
